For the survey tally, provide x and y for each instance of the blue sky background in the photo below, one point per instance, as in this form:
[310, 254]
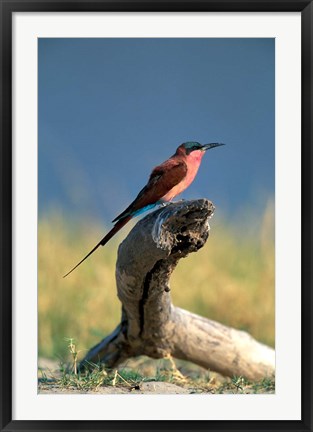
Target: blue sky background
[112, 109]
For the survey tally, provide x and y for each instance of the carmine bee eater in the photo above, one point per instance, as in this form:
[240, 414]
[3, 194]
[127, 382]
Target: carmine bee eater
[166, 182]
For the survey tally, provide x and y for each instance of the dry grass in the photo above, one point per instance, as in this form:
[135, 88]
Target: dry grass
[230, 280]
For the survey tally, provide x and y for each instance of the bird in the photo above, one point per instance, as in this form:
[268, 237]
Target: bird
[166, 181]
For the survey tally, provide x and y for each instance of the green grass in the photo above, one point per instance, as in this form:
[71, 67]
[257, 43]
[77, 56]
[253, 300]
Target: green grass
[230, 280]
[131, 376]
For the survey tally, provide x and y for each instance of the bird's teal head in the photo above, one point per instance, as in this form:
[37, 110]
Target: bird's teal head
[191, 146]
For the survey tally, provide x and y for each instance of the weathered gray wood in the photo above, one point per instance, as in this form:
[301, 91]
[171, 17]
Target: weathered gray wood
[150, 324]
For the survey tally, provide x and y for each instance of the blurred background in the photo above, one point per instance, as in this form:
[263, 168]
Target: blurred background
[112, 109]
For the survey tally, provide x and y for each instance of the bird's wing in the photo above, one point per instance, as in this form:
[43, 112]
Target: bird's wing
[162, 179]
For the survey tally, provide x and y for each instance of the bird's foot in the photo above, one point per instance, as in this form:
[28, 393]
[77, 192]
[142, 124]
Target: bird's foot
[164, 203]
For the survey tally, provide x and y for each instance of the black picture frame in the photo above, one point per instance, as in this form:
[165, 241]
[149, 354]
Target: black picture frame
[8, 7]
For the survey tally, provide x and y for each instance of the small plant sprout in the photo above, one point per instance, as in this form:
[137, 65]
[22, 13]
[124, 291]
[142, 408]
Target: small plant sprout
[238, 382]
[73, 352]
[114, 379]
[176, 372]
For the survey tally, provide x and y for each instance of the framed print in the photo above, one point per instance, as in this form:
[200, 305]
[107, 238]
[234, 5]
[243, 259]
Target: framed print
[96, 96]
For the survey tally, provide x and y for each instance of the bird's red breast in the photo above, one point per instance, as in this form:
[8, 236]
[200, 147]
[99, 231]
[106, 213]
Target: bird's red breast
[192, 161]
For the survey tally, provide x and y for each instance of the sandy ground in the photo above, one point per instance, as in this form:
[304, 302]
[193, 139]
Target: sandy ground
[144, 388]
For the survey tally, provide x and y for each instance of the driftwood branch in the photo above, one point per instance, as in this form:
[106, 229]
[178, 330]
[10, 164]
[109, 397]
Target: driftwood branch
[151, 325]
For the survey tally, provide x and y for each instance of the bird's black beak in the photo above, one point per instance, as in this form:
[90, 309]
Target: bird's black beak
[206, 147]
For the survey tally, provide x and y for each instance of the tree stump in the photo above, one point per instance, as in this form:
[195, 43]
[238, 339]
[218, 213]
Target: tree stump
[151, 325]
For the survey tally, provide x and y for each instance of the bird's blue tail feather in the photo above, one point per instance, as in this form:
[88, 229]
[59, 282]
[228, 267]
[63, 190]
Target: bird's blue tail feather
[136, 212]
